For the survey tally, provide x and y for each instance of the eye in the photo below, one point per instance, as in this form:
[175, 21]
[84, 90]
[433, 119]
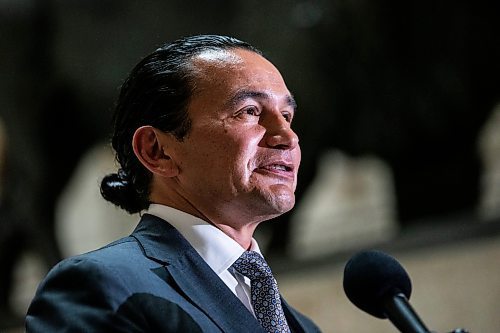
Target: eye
[250, 111]
[288, 116]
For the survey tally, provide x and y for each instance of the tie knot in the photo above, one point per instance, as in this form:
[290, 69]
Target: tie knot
[252, 265]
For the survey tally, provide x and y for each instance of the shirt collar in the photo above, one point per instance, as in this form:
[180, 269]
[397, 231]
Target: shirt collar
[215, 247]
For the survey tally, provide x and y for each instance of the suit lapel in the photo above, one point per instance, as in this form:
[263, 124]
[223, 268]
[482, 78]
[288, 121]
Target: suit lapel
[204, 289]
[215, 299]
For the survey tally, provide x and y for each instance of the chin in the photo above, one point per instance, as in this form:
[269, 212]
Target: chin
[282, 202]
[271, 201]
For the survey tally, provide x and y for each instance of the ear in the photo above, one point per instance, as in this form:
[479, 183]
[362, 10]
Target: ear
[150, 147]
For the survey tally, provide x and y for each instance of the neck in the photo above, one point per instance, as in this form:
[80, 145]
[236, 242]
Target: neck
[242, 236]
[235, 226]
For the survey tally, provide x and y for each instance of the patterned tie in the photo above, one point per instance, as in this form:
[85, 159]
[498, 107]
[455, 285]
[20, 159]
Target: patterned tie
[266, 300]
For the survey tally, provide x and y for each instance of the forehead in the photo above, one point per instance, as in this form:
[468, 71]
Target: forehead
[224, 72]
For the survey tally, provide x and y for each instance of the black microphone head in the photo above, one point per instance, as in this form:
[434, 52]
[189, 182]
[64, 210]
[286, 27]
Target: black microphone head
[371, 276]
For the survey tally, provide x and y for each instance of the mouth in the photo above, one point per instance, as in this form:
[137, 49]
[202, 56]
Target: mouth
[281, 169]
[277, 167]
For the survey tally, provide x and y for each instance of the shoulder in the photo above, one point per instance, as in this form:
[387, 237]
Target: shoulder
[104, 270]
[113, 259]
[116, 266]
[104, 290]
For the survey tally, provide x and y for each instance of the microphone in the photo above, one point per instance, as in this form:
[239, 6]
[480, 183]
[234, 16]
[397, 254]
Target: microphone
[377, 284]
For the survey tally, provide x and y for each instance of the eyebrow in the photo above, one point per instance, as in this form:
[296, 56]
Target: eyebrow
[245, 94]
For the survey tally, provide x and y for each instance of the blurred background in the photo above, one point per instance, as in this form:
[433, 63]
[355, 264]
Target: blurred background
[399, 124]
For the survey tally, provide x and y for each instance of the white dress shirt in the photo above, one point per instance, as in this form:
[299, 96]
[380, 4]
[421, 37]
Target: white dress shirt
[215, 247]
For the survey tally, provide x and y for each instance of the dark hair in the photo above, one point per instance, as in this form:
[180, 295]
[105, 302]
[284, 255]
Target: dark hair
[156, 93]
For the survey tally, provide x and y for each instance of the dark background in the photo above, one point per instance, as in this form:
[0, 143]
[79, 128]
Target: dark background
[411, 82]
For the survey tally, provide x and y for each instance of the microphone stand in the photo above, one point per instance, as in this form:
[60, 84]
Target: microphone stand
[401, 314]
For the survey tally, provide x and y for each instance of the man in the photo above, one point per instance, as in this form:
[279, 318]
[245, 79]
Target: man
[203, 137]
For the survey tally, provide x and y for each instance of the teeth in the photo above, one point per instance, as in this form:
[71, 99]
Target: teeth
[277, 167]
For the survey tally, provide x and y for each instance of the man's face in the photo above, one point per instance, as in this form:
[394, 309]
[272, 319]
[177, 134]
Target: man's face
[240, 158]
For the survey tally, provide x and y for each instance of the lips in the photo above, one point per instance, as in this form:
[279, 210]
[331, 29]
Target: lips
[277, 168]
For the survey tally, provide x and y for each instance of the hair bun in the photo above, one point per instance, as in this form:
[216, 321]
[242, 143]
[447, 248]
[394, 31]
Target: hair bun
[117, 189]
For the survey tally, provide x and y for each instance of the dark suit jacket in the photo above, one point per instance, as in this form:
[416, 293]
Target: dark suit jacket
[151, 281]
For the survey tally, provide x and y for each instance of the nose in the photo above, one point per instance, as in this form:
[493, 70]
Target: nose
[279, 134]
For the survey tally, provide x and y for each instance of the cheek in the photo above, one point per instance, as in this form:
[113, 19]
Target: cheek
[297, 151]
[223, 155]
[297, 155]
[227, 149]
[249, 145]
